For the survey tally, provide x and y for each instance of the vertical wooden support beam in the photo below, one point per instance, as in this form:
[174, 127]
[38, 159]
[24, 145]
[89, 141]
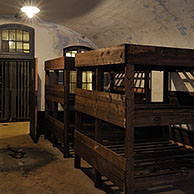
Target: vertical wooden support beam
[66, 108]
[147, 86]
[165, 99]
[129, 131]
[78, 120]
[55, 105]
[165, 91]
[78, 126]
[98, 124]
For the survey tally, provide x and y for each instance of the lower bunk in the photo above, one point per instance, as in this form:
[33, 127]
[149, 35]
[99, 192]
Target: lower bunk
[157, 159]
[60, 133]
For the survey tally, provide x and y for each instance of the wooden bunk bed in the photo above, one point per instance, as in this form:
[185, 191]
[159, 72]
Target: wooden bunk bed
[128, 158]
[59, 102]
[60, 84]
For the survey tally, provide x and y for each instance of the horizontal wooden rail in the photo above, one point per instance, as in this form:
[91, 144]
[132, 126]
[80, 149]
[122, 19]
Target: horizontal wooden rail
[160, 117]
[107, 162]
[55, 93]
[137, 55]
[54, 121]
[103, 56]
[55, 64]
[105, 106]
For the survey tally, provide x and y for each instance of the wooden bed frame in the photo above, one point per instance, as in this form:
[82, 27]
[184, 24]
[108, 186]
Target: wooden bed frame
[119, 160]
[58, 129]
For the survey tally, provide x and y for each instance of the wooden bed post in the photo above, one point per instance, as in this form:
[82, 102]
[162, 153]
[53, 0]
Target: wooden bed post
[98, 124]
[78, 120]
[147, 86]
[165, 92]
[129, 131]
[66, 109]
[55, 106]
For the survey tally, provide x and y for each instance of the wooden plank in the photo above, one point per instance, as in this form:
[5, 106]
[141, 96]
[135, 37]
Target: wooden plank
[113, 118]
[103, 159]
[159, 56]
[102, 165]
[165, 85]
[55, 89]
[105, 106]
[102, 105]
[103, 56]
[114, 158]
[54, 130]
[147, 86]
[55, 99]
[55, 93]
[98, 124]
[66, 108]
[159, 119]
[129, 131]
[55, 64]
[104, 96]
[54, 121]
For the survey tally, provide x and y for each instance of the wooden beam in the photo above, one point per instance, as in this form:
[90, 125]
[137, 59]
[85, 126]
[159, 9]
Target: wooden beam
[159, 117]
[104, 56]
[106, 161]
[98, 124]
[55, 64]
[66, 109]
[160, 56]
[129, 131]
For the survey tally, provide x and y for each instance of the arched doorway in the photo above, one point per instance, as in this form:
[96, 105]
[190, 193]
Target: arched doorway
[18, 75]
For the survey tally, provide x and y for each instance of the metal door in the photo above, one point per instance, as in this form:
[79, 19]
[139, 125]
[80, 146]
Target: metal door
[18, 92]
[14, 90]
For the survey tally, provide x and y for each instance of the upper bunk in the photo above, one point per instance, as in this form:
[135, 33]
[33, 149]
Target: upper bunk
[139, 55]
[113, 106]
[58, 73]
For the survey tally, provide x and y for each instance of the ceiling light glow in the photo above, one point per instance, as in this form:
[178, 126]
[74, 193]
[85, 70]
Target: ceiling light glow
[30, 11]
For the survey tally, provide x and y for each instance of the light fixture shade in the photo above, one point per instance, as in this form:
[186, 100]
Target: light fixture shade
[30, 10]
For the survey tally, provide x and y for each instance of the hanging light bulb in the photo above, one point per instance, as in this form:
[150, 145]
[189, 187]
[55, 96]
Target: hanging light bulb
[30, 11]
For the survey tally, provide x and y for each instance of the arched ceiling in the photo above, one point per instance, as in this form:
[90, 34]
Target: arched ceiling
[110, 22]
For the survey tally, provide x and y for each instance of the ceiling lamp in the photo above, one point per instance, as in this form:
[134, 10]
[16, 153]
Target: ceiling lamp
[30, 11]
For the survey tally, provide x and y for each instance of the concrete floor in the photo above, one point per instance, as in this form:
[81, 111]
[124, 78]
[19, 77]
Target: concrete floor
[42, 168]
[28, 168]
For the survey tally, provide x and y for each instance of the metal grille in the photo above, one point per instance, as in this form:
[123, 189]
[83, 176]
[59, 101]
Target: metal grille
[14, 90]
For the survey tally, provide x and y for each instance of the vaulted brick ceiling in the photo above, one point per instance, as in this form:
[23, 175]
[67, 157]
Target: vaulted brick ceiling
[109, 22]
